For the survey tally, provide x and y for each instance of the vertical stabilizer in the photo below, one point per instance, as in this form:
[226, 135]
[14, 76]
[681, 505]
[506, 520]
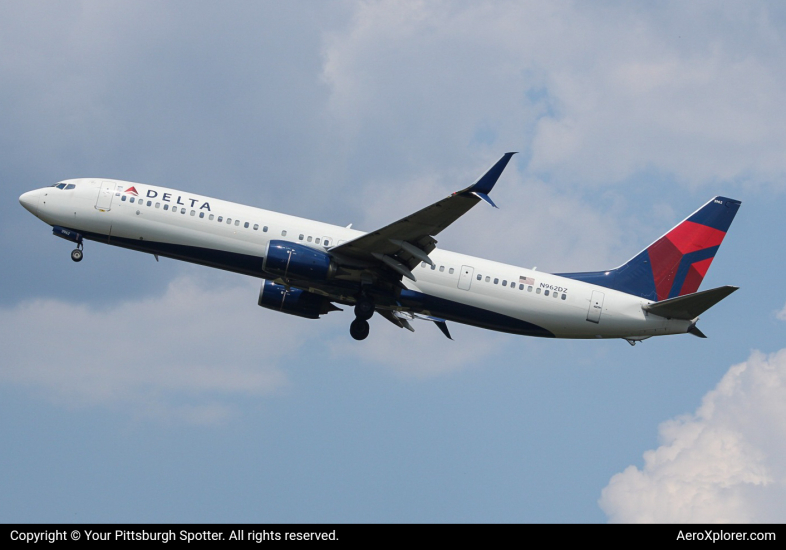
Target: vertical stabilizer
[675, 264]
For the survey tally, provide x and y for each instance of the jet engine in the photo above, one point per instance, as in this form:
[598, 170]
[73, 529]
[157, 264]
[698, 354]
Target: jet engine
[296, 261]
[293, 301]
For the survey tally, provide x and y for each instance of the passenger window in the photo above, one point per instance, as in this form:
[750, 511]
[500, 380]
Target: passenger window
[264, 229]
[480, 277]
[301, 237]
[451, 271]
[488, 279]
[158, 205]
[504, 283]
[433, 267]
[201, 214]
[284, 233]
[220, 219]
[496, 281]
[237, 223]
[556, 295]
[256, 227]
[564, 296]
[441, 268]
[245, 225]
[521, 287]
[166, 207]
[326, 243]
[193, 212]
[131, 200]
[529, 289]
[123, 198]
[537, 291]
[545, 292]
[149, 203]
[210, 217]
[309, 238]
[316, 241]
[229, 221]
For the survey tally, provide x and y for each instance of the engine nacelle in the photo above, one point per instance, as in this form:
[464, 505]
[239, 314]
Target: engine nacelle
[293, 301]
[295, 261]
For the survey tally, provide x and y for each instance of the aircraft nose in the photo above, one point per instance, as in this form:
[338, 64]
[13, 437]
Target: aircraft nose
[30, 201]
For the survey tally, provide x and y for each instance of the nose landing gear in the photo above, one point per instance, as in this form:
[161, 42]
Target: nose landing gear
[74, 237]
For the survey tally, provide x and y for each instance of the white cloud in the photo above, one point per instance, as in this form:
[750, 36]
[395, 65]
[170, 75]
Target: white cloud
[781, 314]
[192, 354]
[594, 95]
[184, 355]
[724, 464]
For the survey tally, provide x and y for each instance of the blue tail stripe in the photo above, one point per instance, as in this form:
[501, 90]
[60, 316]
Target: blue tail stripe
[685, 263]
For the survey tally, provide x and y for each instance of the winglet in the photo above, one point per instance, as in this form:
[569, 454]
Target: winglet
[485, 197]
[694, 330]
[486, 182]
[443, 326]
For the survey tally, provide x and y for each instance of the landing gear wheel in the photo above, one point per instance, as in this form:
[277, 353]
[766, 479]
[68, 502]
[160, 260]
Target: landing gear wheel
[359, 329]
[76, 255]
[364, 309]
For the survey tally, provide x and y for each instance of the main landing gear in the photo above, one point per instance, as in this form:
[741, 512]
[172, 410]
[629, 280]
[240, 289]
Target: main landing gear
[364, 309]
[77, 255]
[359, 329]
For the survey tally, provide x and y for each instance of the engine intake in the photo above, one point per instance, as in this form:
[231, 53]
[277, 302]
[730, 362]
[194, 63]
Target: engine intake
[293, 301]
[296, 261]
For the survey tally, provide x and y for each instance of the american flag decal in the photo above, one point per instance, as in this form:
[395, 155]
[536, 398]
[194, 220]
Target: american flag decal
[526, 281]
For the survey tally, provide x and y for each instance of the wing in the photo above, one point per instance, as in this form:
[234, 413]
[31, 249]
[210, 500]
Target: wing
[401, 245]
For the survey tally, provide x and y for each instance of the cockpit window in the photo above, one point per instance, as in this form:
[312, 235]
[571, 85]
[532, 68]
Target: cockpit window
[70, 186]
[61, 185]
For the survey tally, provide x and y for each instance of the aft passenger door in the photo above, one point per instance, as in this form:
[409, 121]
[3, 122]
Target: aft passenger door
[595, 307]
[465, 278]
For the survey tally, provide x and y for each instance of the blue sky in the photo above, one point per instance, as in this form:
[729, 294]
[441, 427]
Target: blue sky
[132, 390]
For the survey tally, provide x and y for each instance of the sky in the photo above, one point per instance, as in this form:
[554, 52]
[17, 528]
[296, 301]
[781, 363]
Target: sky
[136, 391]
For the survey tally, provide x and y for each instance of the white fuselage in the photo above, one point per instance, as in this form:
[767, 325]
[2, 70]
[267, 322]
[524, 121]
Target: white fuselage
[205, 230]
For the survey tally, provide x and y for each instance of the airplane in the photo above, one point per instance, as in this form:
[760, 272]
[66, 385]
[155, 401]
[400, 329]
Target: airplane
[309, 268]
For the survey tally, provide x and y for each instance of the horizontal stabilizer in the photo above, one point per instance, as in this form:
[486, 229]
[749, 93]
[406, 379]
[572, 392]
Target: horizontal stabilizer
[690, 306]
